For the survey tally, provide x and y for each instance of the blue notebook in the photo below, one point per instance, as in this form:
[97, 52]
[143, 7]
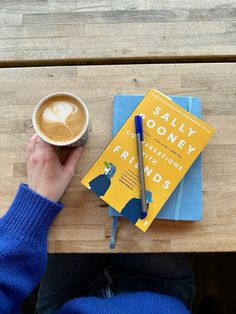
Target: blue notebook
[185, 203]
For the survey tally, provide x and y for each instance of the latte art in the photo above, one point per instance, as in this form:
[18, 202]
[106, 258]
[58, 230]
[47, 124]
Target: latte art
[61, 118]
[59, 112]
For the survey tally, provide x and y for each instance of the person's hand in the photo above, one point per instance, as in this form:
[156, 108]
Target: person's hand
[46, 175]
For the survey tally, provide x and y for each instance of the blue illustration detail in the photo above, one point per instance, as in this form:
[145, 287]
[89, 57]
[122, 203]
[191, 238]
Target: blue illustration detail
[133, 208]
[110, 170]
[101, 183]
[149, 196]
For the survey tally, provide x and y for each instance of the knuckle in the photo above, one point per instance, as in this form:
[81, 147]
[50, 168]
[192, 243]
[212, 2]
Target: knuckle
[71, 171]
[47, 157]
[33, 159]
[44, 155]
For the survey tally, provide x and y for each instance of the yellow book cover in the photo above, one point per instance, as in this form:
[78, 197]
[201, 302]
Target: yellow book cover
[173, 138]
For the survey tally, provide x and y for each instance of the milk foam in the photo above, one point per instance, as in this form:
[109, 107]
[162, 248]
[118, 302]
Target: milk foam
[59, 111]
[61, 118]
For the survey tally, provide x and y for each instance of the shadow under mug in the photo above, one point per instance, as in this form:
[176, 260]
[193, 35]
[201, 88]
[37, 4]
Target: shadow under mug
[80, 139]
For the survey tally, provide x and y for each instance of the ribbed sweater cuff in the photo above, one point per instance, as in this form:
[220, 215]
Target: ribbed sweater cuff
[29, 216]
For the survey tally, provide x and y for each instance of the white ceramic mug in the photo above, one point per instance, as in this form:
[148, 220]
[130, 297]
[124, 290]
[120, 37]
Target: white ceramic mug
[80, 139]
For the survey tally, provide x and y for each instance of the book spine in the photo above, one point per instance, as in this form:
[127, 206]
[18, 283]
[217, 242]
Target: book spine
[178, 199]
[181, 184]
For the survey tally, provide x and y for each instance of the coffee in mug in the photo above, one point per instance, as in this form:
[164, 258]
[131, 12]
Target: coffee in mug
[62, 119]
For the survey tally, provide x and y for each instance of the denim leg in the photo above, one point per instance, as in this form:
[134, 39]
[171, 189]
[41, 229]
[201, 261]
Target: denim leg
[72, 275]
[67, 276]
[103, 285]
[169, 274]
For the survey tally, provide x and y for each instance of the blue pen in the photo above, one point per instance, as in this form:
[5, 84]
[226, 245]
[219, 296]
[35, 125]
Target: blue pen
[139, 139]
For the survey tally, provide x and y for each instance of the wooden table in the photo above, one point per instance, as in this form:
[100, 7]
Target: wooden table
[113, 47]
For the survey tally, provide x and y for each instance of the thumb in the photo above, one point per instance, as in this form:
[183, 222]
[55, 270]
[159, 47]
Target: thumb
[72, 160]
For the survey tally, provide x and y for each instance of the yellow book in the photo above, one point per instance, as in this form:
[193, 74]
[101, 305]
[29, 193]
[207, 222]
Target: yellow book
[173, 138]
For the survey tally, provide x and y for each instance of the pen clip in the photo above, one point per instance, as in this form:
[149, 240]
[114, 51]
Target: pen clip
[139, 126]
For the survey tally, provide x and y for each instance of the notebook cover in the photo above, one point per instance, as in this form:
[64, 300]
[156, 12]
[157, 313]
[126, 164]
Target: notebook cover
[185, 203]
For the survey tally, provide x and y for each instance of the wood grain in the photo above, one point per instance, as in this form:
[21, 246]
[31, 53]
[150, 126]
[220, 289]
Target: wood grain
[82, 31]
[83, 225]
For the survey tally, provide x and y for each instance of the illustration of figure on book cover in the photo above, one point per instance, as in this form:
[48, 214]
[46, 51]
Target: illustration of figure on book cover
[102, 182]
[133, 208]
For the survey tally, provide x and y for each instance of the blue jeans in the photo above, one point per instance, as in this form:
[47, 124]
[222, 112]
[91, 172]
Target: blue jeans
[71, 276]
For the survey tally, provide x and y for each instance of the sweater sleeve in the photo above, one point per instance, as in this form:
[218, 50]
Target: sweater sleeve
[23, 246]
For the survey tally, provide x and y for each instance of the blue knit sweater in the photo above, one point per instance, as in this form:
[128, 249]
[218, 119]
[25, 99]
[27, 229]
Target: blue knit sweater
[23, 256]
